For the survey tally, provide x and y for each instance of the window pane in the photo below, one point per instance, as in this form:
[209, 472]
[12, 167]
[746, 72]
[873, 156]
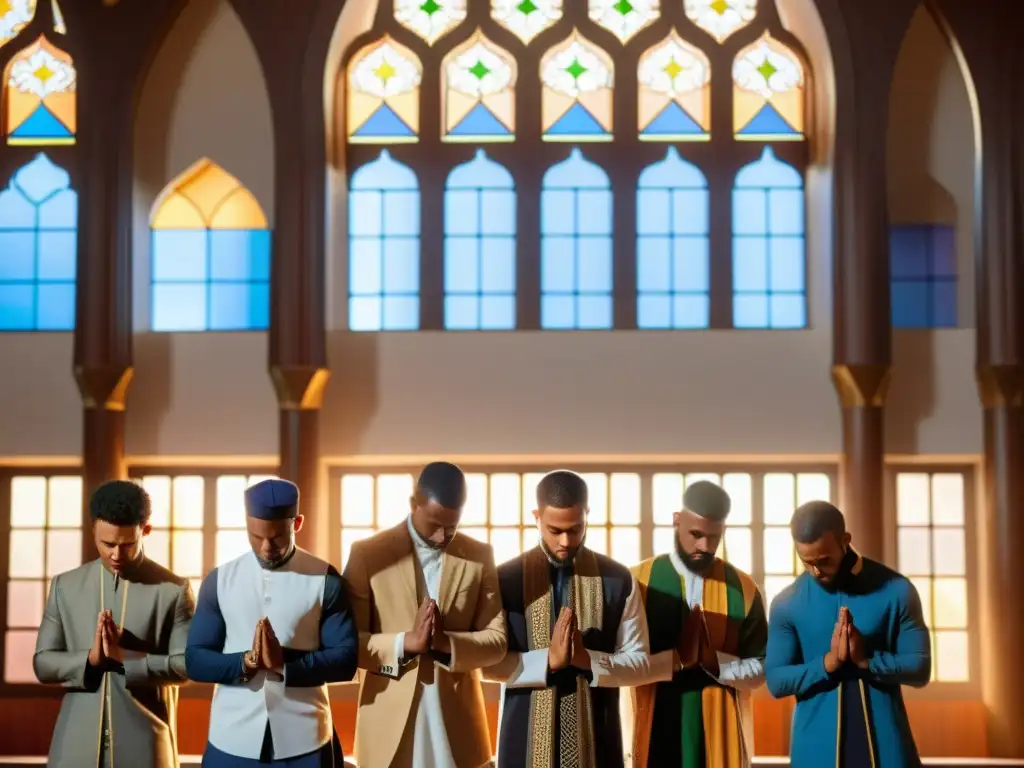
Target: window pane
[666, 496]
[393, 493]
[475, 511]
[158, 547]
[65, 502]
[187, 504]
[348, 537]
[698, 477]
[950, 555]
[664, 540]
[912, 498]
[950, 603]
[19, 648]
[738, 486]
[480, 534]
[924, 592]
[505, 502]
[739, 548]
[231, 544]
[187, 553]
[773, 585]
[231, 501]
[159, 490]
[63, 551]
[625, 507]
[626, 545]
[530, 482]
[28, 502]
[597, 486]
[779, 498]
[507, 543]
[25, 601]
[952, 658]
[914, 551]
[27, 559]
[357, 500]
[948, 499]
[597, 539]
[778, 551]
[812, 487]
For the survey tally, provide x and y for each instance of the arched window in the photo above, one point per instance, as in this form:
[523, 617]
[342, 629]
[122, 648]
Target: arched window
[210, 266]
[38, 249]
[645, 219]
[39, 96]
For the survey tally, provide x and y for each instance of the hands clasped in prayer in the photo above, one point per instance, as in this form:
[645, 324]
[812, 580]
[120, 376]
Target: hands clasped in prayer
[566, 649]
[695, 649]
[847, 644]
[266, 652]
[428, 631]
[106, 643]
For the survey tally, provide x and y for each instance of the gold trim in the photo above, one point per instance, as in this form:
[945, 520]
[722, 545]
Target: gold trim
[645, 459]
[867, 721]
[839, 722]
[106, 707]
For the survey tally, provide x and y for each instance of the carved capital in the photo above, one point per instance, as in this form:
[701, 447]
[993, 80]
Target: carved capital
[861, 385]
[1001, 385]
[104, 387]
[299, 387]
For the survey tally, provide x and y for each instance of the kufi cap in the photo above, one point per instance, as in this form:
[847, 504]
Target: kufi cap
[272, 499]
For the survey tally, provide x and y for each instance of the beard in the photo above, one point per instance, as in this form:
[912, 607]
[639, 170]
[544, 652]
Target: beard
[698, 562]
[569, 558]
[277, 560]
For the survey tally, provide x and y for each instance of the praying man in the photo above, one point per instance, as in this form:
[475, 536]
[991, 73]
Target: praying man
[708, 634]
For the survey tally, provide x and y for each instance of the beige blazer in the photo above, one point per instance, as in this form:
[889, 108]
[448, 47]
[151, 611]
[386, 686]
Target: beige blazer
[141, 703]
[381, 576]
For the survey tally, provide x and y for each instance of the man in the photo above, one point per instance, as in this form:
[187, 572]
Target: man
[427, 604]
[842, 639]
[708, 634]
[113, 634]
[576, 632]
[272, 629]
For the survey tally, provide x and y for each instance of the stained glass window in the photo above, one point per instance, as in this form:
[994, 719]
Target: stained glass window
[14, 17]
[576, 246]
[40, 96]
[38, 249]
[210, 268]
[58, 19]
[430, 19]
[922, 273]
[526, 18]
[720, 18]
[674, 92]
[576, 99]
[480, 247]
[768, 93]
[384, 247]
[479, 93]
[624, 18]
[384, 94]
[769, 284]
[672, 221]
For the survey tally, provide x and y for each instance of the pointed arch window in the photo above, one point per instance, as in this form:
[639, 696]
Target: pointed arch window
[210, 261]
[493, 94]
[39, 96]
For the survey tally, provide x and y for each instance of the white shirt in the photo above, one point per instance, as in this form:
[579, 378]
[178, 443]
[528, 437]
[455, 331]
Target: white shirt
[430, 737]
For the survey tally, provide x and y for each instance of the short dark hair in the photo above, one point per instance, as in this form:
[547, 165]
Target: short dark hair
[120, 503]
[707, 500]
[443, 483]
[814, 519]
[562, 489]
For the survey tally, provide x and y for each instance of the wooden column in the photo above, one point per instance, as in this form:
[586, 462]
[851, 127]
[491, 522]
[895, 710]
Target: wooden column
[991, 51]
[291, 40]
[862, 336]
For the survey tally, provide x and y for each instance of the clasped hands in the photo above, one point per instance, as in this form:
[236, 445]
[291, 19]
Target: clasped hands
[694, 647]
[428, 632]
[566, 649]
[847, 644]
[106, 643]
[266, 652]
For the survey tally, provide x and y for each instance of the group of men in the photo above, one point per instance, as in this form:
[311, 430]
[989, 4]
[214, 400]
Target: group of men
[423, 614]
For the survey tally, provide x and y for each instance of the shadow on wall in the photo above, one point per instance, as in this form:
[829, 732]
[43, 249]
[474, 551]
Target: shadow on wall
[354, 391]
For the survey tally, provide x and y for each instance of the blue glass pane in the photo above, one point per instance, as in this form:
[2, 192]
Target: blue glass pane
[908, 252]
[691, 311]
[60, 211]
[17, 255]
[768, 122]
[788, 310]
[787, 264]
[654, 264]
[480, 122]
[401, 313]
[239, 306]
[385, 124]
[461, 265]
[577, 122]
[749, 212]
[690, 212]
[58, 254]
[786, 212]
[768, 173]
[401, 214]
[461, 313]
[943, 249]
[480, 172]
[56, 307]
[749, 264]
[594, 265]
[594, 212]
[384, 173]
[16, 211]
[180, 255]
[40, 178]
[498, 213]
[401, 265]
[461, 212]
[365, 267]
[944, 304]
[653, 211]
[365, 313]
[750, 310]
[691, 264]
[366, 213]
[910, 304]
[672, 173]
[240, 254]
[17, 307]
[594, 312]
[557, 312]
[575, 172]
[497, 313]
[558, 265]
[498, 270]
[558, 212]
[179, 307]
[654, 311]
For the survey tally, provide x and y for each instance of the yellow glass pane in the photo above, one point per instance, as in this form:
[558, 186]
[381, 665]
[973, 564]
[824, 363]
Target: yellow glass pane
[40, 90]
[231, 544]
[176, 211]
[778, 551]
[625, 544]
[577, 79]
[507, 543]
[952, 658]
[239, 210]
[14, 17]
[720, 18]
[187, 502]
[348, 537]
[773, 585]
[530, 482]
[768, 93]
[674, 92]
[383, 84]
[28, 502]
[950, 603]
[27, 556]
[478, 80]
[739, 486]
[207, 196]
[739, 548]
[664, 540]
[597, 539]
[597, 488]
[912, 499]
[187, 553]
[65, 502]
[625, 504]
[158, 547]
[949, 552]
[19, 648]
[480, 534]
[159, 489]
[25, 604]
[357, 500]
[948, 498]
[475, 511]
[779, 498]
[505, 499]
[914, 548]
[666, 496]
[63, 551]
[812, 486]
[393, 494]
[923, 585]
